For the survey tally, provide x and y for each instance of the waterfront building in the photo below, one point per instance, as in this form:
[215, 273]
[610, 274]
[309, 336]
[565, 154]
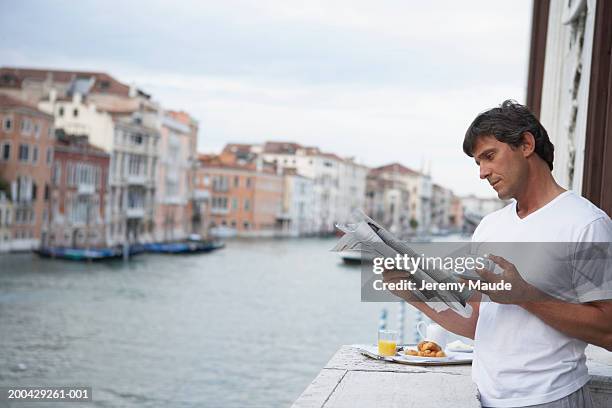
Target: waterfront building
[173, 204]
[79, 193]
[33, 85]
[244, 193]
[456, 214]
[297, 217]
[26, 154]
[422, 195]
[411, 185]
[339, 184]
[388, 197]
[6, 217]
[120, 119]
[441, 203]
[200, 203]
[193, 211]
[352, 186]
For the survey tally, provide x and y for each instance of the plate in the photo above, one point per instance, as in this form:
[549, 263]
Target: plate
[401, 358]
[419, 359]
[451, 358]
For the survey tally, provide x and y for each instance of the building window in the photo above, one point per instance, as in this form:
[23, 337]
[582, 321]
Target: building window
[234, 203]
[6, 151]
[236, 181]
[75, 112]
[36, 130]
[24, 152]
[248, 182]
[219, 203]
[220, 183]
[56, 173]
[60, 111]
[26, 126]
[8, 124]
[49, 155]
[137, 138]
[137, 165]
[34, 154]
[247, 204]
[246, 225]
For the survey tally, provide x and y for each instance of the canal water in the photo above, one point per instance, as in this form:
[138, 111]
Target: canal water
[247, 326]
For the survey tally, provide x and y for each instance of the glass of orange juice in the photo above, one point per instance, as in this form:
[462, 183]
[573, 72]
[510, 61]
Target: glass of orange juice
[387, 342]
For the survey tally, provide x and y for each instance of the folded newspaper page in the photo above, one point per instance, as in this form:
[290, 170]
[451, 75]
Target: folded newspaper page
[367, 236]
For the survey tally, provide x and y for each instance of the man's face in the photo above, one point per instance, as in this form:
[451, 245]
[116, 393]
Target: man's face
[502, 166]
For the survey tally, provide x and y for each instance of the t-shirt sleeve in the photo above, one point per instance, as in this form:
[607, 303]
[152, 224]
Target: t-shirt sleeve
[592, 262]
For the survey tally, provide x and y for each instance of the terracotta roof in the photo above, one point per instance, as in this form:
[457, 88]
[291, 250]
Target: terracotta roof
[10, 102]
[182, 117]
[395, 168]
[205, 156]
[115, 105]
[330, 156]
[291, 148]
[78, 143]
[281, 147]
[238, 147]
[221, 161]
[241, 154]
[11, 77]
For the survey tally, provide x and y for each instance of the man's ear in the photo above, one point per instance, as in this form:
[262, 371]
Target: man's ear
[528, 144]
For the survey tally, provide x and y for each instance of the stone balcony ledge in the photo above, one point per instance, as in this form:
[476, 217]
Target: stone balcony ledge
[352, 380]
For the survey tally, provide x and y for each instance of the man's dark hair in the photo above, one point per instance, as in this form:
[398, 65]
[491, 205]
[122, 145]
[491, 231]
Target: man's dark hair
[508, 123]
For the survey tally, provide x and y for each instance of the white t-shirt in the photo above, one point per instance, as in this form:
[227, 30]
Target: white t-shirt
[519, 360]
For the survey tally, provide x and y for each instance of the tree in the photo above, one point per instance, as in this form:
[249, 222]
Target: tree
[414, 224]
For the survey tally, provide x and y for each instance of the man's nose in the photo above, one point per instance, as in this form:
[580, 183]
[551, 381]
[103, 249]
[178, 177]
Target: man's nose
[484, 171]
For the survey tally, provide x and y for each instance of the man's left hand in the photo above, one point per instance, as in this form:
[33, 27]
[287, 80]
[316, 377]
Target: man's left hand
[520, 291]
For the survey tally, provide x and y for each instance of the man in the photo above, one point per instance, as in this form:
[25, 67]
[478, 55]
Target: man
[528, 353]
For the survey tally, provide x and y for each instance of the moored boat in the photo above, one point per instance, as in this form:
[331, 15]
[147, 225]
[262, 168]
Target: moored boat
[356, 257]
[183, 247]
[84, 254]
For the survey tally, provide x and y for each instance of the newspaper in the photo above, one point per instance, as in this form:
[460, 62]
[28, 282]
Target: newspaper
[366, 235]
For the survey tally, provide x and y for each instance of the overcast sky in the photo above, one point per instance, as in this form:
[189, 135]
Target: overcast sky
[379, 80]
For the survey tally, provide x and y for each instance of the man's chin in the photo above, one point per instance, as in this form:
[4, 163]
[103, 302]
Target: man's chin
[503, 195]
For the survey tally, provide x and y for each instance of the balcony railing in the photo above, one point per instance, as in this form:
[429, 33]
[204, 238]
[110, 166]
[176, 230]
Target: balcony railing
[137, 179]
[135, 212]
[199, 194]
[86, 189]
